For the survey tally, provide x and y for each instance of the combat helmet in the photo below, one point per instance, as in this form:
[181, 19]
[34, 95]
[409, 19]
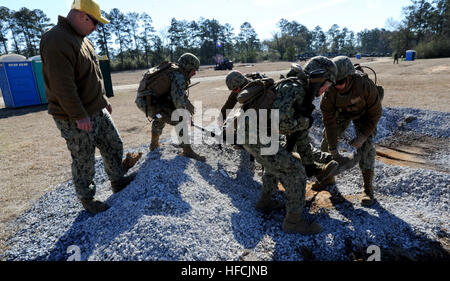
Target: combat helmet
[321, 63]
[235, 79]
[344, 66]
[295, 70]
[189, 61]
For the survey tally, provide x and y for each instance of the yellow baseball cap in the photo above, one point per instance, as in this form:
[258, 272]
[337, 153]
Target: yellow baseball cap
[91, 7]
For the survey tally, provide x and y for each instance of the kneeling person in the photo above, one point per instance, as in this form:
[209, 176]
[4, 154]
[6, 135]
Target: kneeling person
[287, 95]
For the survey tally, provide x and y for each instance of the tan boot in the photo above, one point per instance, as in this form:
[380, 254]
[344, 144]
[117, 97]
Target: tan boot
[325, 171]
[188, 152]
[293, 223]
[266, 205]
[130, 160]
[319, 186]
[155, 142]
[94, 206]
[367, 198]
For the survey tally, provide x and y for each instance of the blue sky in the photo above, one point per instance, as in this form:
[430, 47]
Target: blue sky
[263, 15]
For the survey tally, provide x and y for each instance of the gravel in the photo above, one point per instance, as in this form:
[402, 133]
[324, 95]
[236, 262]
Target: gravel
[180, 209]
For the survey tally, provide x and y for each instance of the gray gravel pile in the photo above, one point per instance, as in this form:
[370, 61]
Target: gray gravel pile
[180, 209]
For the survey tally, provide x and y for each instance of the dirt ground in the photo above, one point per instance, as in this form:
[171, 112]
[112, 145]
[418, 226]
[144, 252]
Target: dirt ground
[34, 157]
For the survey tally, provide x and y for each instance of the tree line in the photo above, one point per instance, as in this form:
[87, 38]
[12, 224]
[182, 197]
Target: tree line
[131, 42]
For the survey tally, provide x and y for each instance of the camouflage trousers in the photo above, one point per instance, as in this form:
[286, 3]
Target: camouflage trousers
[285, 167]
[157, 124]
[82, 144]
[308, 152]
[367, 150]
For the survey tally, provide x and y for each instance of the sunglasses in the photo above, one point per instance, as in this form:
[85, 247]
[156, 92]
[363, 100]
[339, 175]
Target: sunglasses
[94, 21]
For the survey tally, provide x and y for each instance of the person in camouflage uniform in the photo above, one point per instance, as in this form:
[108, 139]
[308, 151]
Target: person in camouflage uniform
[354, 98]
[295, 70]
[300, 142]
[284, 165]
[235, 82]
[188, 65]
[77, 102]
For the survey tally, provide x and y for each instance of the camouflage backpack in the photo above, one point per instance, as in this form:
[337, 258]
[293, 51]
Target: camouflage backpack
[156, 80]
[154, 88]
[258, 94]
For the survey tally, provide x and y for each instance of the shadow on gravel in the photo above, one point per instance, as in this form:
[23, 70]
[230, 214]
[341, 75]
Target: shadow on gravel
[347, 239]
[243, 192]
[354, 237]
[91, 232]
[382, 225]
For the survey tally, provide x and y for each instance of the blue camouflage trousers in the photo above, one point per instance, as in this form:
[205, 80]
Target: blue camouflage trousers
[285, 167]
[82, 144]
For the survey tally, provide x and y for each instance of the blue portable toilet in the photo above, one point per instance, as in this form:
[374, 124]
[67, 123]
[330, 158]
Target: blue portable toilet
[36, 62]
[358, 56]
[17, 82]
[410, 55]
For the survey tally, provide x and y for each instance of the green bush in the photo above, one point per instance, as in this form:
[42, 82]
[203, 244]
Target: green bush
[273, 56]
[290, 53]
[128, 64]
[436, 48]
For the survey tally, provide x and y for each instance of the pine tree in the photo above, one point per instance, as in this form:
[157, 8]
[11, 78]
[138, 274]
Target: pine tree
[4, 29]
[146, 36]
[248, 43]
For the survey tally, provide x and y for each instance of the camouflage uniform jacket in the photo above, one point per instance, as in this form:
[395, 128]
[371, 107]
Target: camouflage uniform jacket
[359, 101]
[178, 90]
[290, 95]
